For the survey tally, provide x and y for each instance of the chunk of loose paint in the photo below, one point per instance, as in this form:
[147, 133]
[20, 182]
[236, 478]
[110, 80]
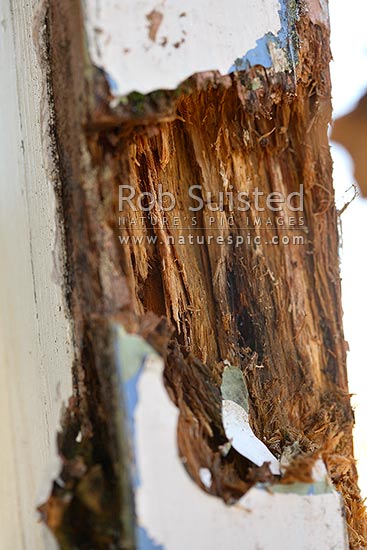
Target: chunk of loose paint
[172, 511]
[233, 386]
[239, 432]
[206, 477]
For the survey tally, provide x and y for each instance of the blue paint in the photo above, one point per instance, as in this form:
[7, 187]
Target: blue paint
[144, 542]
[257, 56]
[114, 87]
[130, 393]
[131, 352]
[131, 398]
[287, 35]
[286, 39]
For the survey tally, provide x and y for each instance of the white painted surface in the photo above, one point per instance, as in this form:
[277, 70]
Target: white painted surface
[35, 343]
[210, 36]
[239, 433]
[178, 515]
[205, 477]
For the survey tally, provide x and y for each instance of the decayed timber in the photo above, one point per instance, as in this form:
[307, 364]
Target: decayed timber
[273, 311]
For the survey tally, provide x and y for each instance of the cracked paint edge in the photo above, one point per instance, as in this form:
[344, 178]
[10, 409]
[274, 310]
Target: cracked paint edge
[172, 510]
[236, 35]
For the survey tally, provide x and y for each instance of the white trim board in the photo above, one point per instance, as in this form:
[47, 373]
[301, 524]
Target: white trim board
[35, 339]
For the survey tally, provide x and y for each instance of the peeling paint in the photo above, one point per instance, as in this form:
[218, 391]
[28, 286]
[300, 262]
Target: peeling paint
[173, 512]
[233, 386]
[278, 58]
[155, 19]
[131, 352]
[206, 477]
[277, 51]
[144, 542]
[321, 484]
[239, 432]
[235, 414]
[159, 53]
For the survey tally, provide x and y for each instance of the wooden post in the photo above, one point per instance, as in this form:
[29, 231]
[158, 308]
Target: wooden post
[36, 350]
[201, 275]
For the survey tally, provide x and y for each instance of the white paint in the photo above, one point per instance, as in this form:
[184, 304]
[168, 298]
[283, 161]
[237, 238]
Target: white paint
[239, 432]
[206, 477]
[319, 471]
[178, 515]
[212, 35]
[35, 341]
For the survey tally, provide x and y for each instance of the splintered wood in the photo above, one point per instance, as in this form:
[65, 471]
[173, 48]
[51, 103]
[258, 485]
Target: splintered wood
[256, 288]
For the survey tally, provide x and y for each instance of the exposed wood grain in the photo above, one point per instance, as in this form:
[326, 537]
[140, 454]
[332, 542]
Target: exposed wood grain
[273, 311]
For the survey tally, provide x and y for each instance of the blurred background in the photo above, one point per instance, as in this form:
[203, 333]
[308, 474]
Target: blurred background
[349, 83]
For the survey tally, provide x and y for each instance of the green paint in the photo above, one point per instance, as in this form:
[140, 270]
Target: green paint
[132, 349]
[299, 488]
[234, 388]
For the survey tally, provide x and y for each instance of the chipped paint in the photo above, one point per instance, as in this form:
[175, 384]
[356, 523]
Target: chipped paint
[206, 477]
[239, 432]
[321, 484]
[132, 349]
[151, 45]
[279, 58]
[235, 415]
[131, 352]
[278, 51]
[233, 386]
[173, 512]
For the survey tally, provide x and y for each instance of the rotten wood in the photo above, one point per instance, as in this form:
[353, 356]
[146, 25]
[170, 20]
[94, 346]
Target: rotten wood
[273, 311]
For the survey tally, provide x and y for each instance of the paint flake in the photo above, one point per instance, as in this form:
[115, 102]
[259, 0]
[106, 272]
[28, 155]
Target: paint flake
[174, 513]
[206, 477]
[235, 415]
[239, 432]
